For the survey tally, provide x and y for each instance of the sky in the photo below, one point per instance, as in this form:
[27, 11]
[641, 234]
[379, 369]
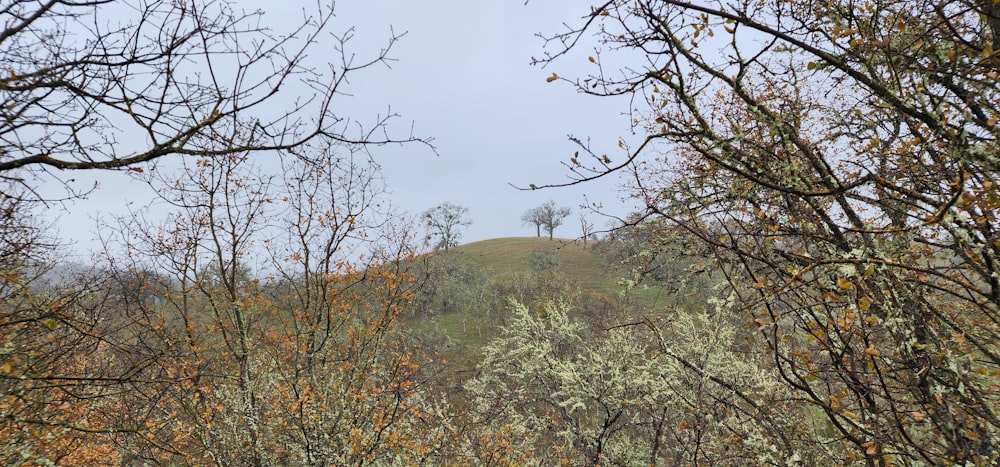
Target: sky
[460, 75]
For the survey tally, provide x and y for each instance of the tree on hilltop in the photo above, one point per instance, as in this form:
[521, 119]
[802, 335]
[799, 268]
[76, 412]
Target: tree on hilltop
[547, 216]
[443, 222]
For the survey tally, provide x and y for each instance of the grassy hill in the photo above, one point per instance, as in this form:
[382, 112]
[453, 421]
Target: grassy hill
[581, 266]
[466, 327]
[513, 255]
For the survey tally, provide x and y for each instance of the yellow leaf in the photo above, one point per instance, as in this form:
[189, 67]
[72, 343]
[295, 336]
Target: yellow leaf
[865, 303]
[917, 416]
[552, 78]
[591, 59]
[811, 66]
[871, 352]
[844, 283]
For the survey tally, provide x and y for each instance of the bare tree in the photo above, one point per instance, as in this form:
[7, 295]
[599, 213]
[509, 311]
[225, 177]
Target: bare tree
[533, 216]
[547, 215]
[443, 222]
[586, 228]
[110, 85]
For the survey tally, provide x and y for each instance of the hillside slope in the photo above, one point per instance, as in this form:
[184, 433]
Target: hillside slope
[583, 267]
[513, 254]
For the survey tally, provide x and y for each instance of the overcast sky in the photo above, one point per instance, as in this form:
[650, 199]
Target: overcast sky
[461, 76]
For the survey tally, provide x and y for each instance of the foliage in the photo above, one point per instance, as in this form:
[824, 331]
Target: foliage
[181, 350]
[50, 392]
[443, 222]
[460, 289]
[179, 353]
[544, 261]
[308, 368]
[652, 253]
[629, 395]
[839, 161]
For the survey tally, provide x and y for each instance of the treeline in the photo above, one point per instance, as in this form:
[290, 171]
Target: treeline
[274, 319]
[173, 350]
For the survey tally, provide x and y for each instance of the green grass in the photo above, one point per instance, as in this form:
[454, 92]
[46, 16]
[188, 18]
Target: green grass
[513, 255]
[581, 266]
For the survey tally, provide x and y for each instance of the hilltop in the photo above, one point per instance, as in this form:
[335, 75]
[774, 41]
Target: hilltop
[511, 255]
[583, 267]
